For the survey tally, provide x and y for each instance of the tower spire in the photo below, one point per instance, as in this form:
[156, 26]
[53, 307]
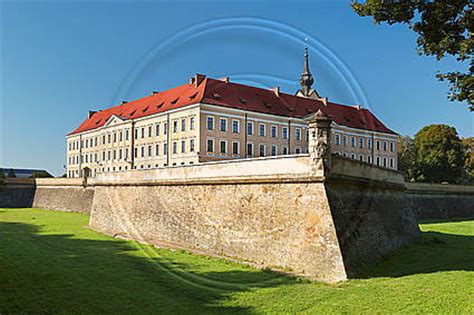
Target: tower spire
[306, 79]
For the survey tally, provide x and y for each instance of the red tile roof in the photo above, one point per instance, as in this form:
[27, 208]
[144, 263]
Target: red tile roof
[239, 96]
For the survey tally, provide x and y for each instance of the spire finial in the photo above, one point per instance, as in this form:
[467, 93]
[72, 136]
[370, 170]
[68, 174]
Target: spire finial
[306, 79]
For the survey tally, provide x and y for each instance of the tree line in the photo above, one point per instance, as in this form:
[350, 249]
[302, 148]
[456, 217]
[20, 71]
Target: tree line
[436, 154]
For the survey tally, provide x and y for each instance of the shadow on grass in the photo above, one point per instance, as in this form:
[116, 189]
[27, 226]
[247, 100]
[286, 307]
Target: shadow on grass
[435, 252]
[62, 274]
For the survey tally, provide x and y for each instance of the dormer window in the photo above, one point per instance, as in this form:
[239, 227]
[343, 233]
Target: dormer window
[216, 96]
[160, 105]
[145, 109]
[243, 101]
[193, 96]
[174, 101]
[133, 112]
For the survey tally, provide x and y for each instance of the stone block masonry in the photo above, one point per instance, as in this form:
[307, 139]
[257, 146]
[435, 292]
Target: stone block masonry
[326, 228]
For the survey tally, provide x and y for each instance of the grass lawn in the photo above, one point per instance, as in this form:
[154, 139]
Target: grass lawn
[51, 263]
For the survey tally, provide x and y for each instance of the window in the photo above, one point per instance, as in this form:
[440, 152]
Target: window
[109, 155]
[165, 129]
[175, 126]
[361, 142]
[369, 143]
[274, 131]
[175, 147]
[157, 149]
[183, 124]
[261, 130]
[143, 152]
[353, 156]
[377, 144]
[143, 133]
[191, 123]
[136, 134]
[126, 154]
[108, 138]
[298, 134]
[223, 124]
[235, 147]
[95, 140]
[223, 147]
[344, 140]
[361, 158]
[149, 150]
[261, 150]
[385, 146]
[338, 139]
[136, 152]
[149, 131]
[369, 159]
[284, 132]
[353, 142]
[165, 148]
[250, 128]
[392, 146]
[385, 162]
[183, 146]
[377, 161]
[191, 145]
[391, 162]
[157, 130]
[210, 123]
[298, 150]
[235, 126]
[210, 145]
[249, 149]
[285, 150]
[103, 155]
[120, 155]
[274, 150]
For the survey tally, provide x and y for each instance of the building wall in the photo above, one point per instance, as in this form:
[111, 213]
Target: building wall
[157, 141]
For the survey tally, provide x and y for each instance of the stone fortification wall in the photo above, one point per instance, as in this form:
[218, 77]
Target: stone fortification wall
[440, 202]
[65, 194]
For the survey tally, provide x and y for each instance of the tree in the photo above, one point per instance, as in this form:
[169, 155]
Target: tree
[440, 154]
[407, 158]
[444, 27]
[468, 176]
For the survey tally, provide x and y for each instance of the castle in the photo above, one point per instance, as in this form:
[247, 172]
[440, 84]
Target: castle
[215, 119]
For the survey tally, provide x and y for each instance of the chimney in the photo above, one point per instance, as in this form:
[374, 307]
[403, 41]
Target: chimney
[198, 78]
[154, 92]
[91, 113]
[191, 81]
[276, 90]
[124, 102]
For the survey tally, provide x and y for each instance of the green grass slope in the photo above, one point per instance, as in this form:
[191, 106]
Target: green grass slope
[50, 262]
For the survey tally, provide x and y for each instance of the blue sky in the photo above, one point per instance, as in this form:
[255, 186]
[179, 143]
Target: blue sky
[60, 59]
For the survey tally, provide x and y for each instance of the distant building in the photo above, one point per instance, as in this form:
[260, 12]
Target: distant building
[24, 173]
[209, 119]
